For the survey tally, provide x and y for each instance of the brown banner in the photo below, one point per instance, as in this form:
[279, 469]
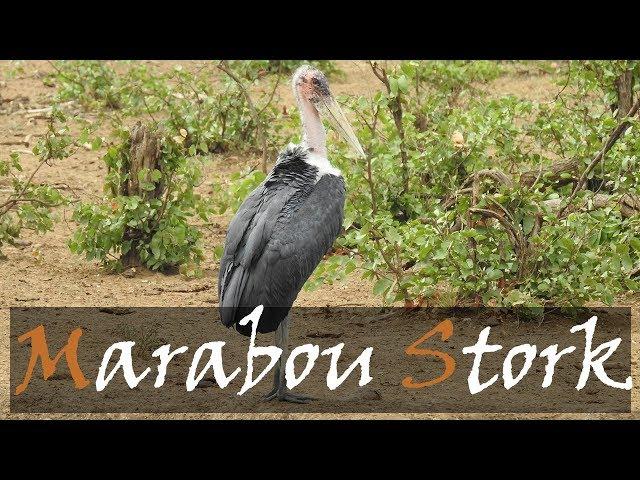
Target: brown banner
[424, 360]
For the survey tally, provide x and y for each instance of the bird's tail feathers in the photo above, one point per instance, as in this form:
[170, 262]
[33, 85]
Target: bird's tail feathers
[231, 295]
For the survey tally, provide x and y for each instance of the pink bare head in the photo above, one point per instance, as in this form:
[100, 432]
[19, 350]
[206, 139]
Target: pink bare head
[311, 89]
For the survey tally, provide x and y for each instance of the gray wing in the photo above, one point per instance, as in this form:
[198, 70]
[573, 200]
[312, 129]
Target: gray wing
[274, 244]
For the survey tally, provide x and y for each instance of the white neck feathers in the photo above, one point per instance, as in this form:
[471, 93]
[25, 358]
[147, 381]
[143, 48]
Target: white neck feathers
[321, 162]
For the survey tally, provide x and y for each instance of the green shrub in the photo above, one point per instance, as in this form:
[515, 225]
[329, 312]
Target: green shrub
[412, 223]
[156, 229]
[26, 204]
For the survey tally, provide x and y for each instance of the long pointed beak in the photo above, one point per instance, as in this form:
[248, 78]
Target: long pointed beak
[334, 114]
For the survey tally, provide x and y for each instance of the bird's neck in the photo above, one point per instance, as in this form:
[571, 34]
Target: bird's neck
[314, 136]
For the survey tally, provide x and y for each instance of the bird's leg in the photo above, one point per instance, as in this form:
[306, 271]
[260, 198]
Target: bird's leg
[280, 390]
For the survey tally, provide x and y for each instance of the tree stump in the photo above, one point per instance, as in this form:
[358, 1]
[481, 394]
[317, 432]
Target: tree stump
[144, 158]
[624, 85]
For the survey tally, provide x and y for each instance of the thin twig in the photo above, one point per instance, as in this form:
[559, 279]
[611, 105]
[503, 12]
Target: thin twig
[200, 288]
[224, 66]
[395, 106]
[559, 94]
[271, 95]
[15, 142]
[9, 204]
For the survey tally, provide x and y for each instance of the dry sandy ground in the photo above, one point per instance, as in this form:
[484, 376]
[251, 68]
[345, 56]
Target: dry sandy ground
[46, 273]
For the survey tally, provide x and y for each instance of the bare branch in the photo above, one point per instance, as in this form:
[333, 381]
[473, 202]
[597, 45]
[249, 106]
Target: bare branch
[629, 205]
[613, 138]
[514, 235]
[552, 173]
[495, 174]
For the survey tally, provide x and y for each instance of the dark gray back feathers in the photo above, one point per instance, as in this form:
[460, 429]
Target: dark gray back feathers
[276, 240]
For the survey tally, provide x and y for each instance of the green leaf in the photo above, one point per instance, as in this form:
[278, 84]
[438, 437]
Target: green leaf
[441, 254]
[527, 224]
[350, 267]
[156, 175]
[492, 275]
[393, 86]
[382, 286]
[142, 174]
[403, 84]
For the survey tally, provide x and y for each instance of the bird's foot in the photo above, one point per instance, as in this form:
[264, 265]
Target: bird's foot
[285, 395]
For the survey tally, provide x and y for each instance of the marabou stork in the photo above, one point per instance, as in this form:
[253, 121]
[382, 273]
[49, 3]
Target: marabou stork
[286, 225]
